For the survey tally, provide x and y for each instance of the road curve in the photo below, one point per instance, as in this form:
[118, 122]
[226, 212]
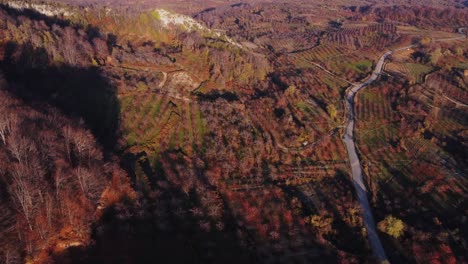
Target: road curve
[348, 139]
[356, 170]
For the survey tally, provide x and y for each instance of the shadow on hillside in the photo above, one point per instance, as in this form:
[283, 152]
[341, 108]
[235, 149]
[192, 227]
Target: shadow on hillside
[321, 195]
[34, 15]
[79, 92]
[126, 234]
[156, 228]
[160, 228]
[147, 231]
[48, 20]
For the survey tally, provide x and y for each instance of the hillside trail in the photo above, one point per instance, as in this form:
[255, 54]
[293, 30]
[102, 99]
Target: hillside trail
[356, 169]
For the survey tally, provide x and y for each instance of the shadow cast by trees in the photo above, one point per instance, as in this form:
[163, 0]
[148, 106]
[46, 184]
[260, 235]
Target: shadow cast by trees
[155, 226]
[144, 230]
[33, 14]
[131, 231]
[127, 234]
[49, 20]
[340, 186]
[78, 92]
[160, 227]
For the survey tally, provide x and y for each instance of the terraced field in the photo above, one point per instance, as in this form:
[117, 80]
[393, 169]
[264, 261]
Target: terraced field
[375, 36]
[416, 72]
[342, 63]
[372, 106]
[402, 132]
[154, 121]
[378, 130]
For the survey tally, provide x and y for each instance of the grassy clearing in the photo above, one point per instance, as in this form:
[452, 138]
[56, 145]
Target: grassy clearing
[307, 109]
[413, 71]
[361, 66]
[417, 71]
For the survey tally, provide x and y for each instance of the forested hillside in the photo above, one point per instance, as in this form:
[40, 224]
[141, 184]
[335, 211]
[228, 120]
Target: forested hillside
[135, 134]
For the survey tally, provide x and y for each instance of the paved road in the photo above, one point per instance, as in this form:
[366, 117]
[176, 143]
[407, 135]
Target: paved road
[348, 139]
[356, 170]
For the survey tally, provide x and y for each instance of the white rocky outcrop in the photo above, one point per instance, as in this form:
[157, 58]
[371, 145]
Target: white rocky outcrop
[173, 19]
[167, 18]
[40, 8]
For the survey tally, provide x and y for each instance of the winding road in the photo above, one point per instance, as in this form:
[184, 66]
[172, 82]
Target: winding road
[348, 139]
[356, 170]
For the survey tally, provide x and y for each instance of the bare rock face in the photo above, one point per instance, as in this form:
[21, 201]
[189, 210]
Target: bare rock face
[40, 8]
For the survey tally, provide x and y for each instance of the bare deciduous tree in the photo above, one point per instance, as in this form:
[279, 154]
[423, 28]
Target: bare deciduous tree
[82, 141]
[7, 119]
[60, 178]
[90, 184]
[68, 135]
[5, 126]
[23, 192]
[18, 146]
